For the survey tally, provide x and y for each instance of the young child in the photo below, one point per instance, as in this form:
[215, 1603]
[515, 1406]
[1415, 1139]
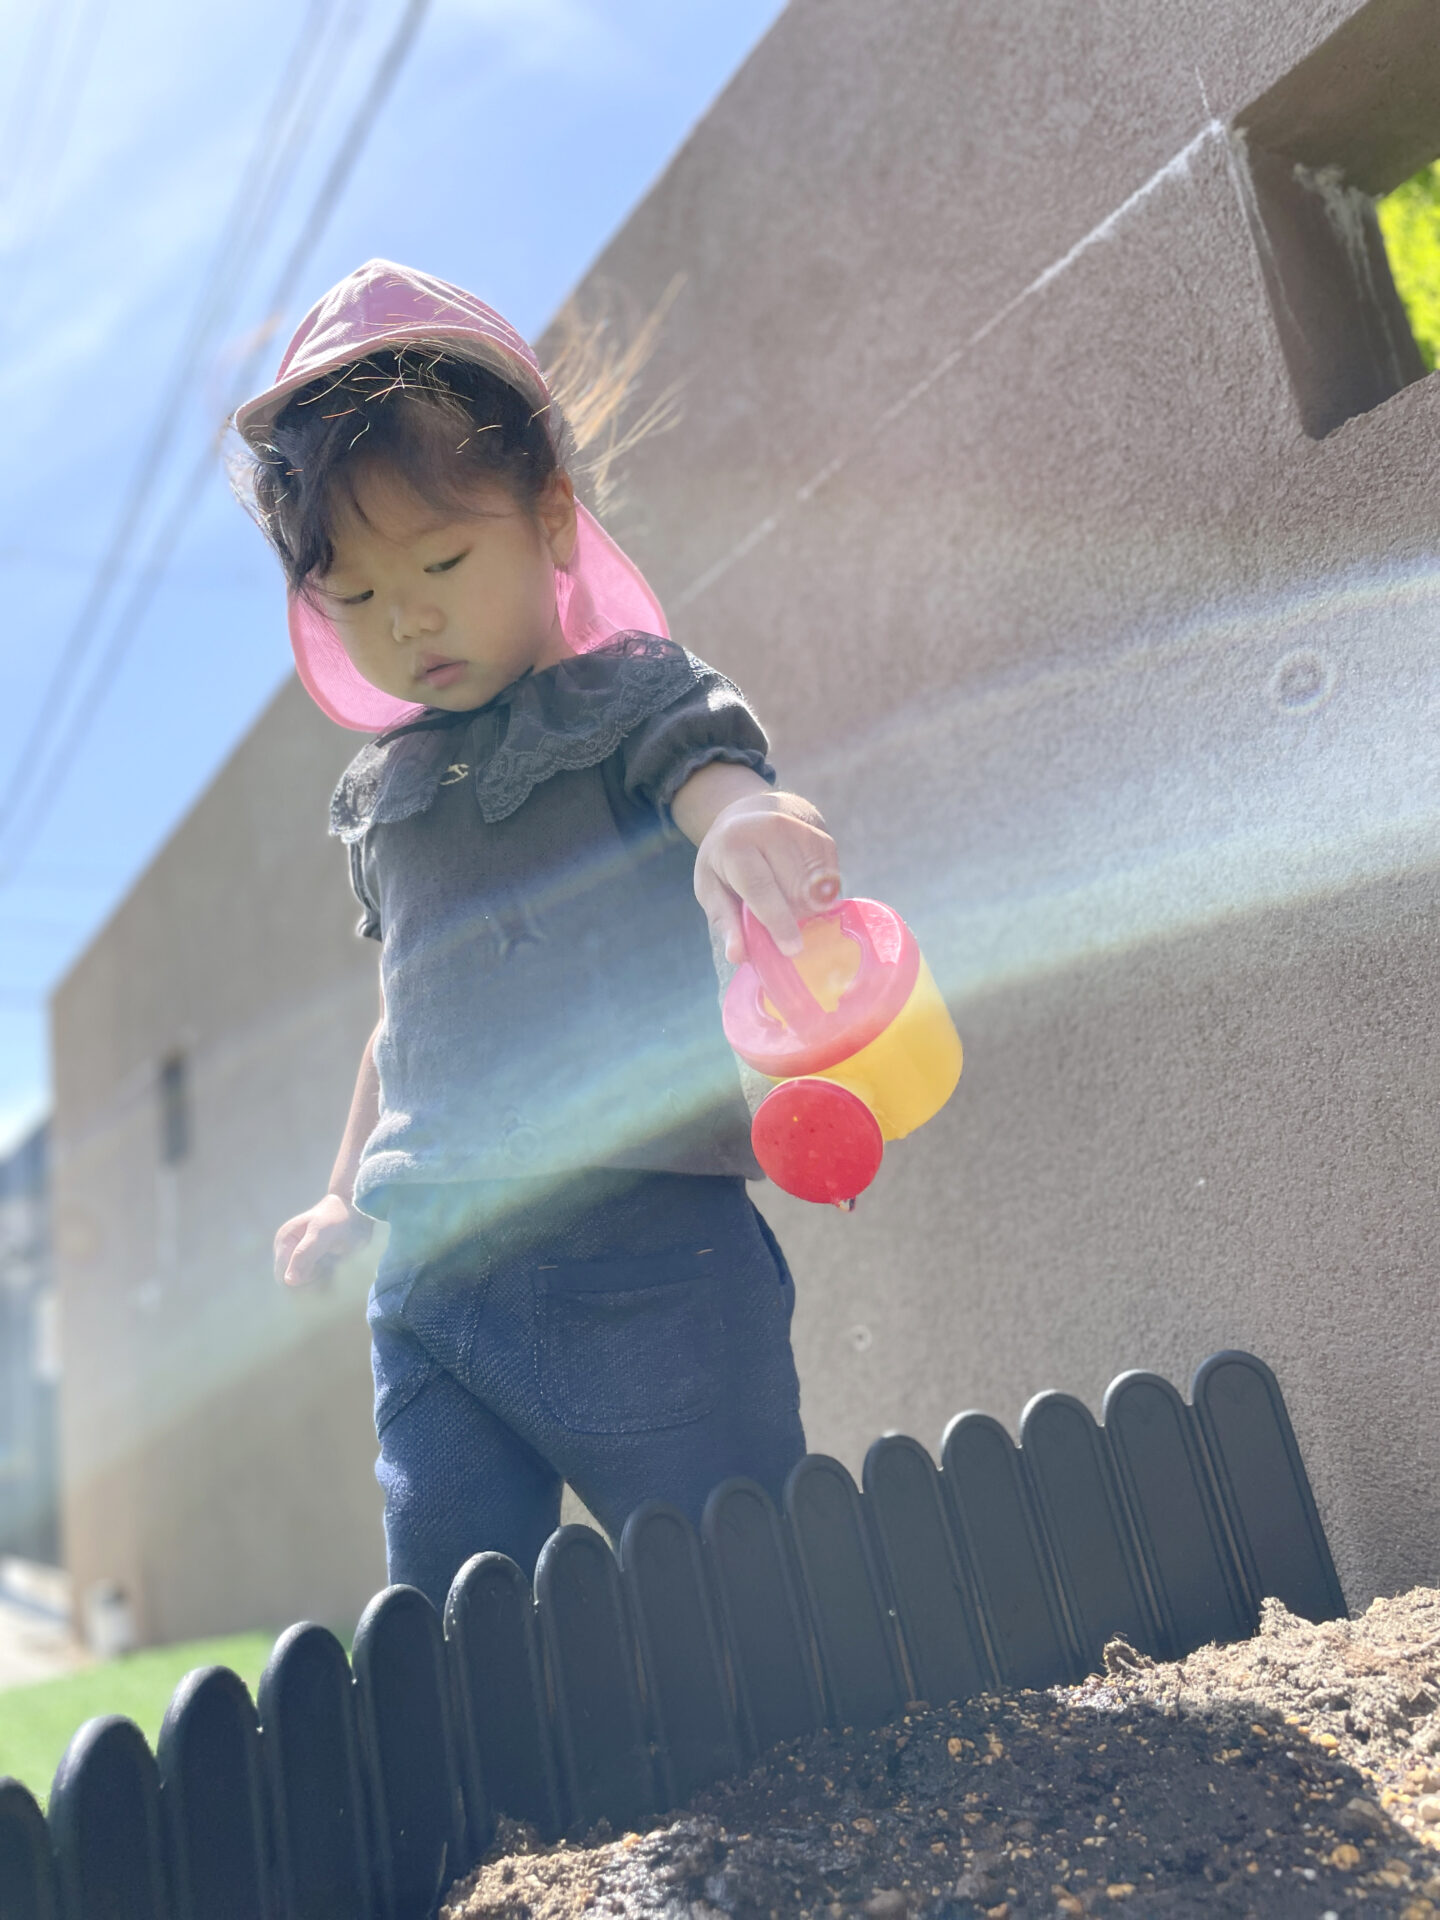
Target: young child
[576, 1286]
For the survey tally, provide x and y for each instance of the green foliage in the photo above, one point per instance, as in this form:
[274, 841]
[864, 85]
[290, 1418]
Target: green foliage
[1410, 222]
[37, 1721]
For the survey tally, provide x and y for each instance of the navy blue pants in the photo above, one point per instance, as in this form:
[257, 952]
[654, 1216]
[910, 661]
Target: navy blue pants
[629, 1336]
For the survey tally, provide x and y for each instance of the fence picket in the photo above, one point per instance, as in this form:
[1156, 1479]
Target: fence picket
[1251, 1443]
[212, 1800]
[1161, 1461]
[993, 1515]
[928, 1583]
[691, 1717]
[599, 1722]
[507, 1754]
[27, 1869]
[312, 1757]
[854, 1627]
[1083, 1512]
[402, 1690]
[105, 1822]
[766, 1634]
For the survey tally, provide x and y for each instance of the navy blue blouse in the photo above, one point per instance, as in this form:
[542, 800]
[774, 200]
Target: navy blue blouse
[550, 991]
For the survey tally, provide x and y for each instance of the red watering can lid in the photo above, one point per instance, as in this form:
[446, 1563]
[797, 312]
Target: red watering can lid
[776, 1024]
[817, 1140]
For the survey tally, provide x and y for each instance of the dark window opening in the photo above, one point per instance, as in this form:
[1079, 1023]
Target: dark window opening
[1356, 119]
[174, 1110]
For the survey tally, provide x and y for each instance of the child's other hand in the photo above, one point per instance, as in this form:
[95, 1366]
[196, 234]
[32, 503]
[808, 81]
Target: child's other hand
[771, 851]
[309, 1247]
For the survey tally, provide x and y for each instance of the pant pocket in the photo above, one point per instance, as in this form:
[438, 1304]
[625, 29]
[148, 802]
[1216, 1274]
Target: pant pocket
[446, 1316]
[400, 1364]
[401, 1367]
[630, 1345]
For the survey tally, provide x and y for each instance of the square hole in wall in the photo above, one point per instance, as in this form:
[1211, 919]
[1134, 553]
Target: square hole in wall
[1345, 206]
[174, 1092]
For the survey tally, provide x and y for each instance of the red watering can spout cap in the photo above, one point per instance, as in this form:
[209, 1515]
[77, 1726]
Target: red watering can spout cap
[817, 1140]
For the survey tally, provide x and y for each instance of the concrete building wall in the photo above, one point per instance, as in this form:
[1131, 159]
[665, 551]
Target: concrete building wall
[999, 489]
[216, 1433]
[995, 489]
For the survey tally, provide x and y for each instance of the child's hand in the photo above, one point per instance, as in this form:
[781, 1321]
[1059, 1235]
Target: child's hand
[309, 1247]
[770, 850]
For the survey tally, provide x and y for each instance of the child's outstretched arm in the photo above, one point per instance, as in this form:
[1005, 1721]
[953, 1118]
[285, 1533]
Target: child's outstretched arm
[308, 1247]
[768, 849]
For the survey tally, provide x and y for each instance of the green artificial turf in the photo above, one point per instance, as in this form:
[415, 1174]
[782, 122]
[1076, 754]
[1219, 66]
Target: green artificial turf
[36, 1721]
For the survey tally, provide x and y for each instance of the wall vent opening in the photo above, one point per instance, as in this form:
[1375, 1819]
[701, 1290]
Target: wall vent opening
[1356, 119]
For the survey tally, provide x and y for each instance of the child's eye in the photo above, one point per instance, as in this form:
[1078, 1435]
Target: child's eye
[444, 566]
[353, 599]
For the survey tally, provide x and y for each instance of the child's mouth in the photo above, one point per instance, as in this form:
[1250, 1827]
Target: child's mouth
[440, 673]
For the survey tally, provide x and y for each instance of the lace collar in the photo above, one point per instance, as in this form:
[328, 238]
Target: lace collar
[561, 719]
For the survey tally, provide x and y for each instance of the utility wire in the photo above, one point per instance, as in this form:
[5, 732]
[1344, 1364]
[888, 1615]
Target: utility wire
[256, 203]
[66, 670]
[15, 817]
[36, 209]
[282, 135]
[31, 78]
[53, 105]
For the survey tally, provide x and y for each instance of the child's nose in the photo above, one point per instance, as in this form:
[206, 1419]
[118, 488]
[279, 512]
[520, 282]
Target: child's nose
[414, 620]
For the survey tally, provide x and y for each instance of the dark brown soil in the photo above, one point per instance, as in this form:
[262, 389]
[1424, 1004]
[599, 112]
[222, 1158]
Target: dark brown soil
[1296, 1774]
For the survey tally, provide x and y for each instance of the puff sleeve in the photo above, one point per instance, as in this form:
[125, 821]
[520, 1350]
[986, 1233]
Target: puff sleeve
[711, 720]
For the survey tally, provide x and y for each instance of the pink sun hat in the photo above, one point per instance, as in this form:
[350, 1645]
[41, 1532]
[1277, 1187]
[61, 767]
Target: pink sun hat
[600, 593]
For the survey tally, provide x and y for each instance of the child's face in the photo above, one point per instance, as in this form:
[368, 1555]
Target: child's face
[442, 608]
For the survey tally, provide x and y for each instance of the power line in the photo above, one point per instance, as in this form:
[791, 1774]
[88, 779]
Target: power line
[52, 126]
[194, 344]
[292, 124]
[36, 762]
[76, 60]
[30, 81]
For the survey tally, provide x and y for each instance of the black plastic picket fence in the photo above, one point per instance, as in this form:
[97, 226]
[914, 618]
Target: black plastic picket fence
[624, 1682]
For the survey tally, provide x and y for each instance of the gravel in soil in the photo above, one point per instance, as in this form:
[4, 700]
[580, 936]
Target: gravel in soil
[1297, 1773]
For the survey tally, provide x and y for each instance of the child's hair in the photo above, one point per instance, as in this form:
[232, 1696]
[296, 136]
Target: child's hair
[444, 422]
[441, 421]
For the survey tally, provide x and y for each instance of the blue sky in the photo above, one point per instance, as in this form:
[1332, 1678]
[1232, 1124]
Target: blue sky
[135, 146]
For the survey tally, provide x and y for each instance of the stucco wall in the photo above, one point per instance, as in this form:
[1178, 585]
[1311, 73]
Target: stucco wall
[216, 1431]
[993, 490]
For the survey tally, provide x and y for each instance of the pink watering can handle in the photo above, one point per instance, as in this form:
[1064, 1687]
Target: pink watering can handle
[772, 1018]
[784, 985]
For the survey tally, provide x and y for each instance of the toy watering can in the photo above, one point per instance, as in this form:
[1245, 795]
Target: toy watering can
[856, 1035]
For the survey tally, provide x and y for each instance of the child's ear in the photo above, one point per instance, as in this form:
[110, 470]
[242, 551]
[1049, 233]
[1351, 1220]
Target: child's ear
[556, 511]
